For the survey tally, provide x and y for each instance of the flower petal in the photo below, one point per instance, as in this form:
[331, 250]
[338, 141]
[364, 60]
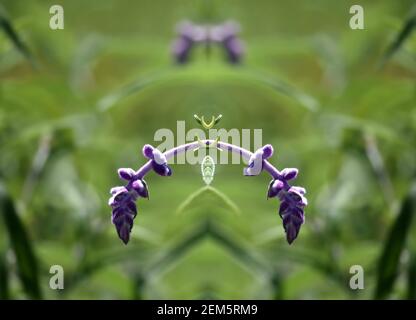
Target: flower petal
[267, 151]
[148, 151]
[159, 157]
[284, 205]
[275, 187]
[255, 164]
[299, 190]
[161, 169]
[123, 221]
[289, 173]
[292, 221]
[126, 173]
[116, 190]
[141, 188]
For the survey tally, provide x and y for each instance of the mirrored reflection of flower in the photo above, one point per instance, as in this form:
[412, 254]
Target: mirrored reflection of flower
[224, 34]
[292, 198]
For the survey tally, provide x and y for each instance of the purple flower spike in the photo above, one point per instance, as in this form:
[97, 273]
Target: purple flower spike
[292, 203]
[123, 213]
[124, 207]
[123, 220]
[123, 202]
[293, 217]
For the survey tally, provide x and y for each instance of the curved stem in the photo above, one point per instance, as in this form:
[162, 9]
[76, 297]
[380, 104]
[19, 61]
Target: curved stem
[244, 153]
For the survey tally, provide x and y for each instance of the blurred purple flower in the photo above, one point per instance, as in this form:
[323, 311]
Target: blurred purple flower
[188, 35]
[224, 34]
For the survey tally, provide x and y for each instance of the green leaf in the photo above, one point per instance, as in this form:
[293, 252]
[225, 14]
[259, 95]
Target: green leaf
[407, 29]
[14, 37]
[388, 263]
[25, 257]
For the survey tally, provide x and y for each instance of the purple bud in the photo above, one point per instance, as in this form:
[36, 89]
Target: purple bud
[148, 151]
[126, 173]
[159, 157]
[297, 197]
[267, 151]
[275, 187]
[291, 231]
[255, 163]
[123, 220]
[292, 221]
[161, 169]
[132, 207]
[141, 188]
[118, 197]
[284, 205]
[289, 173]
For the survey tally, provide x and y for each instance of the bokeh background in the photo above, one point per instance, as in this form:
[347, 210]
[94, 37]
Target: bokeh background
[76, 104]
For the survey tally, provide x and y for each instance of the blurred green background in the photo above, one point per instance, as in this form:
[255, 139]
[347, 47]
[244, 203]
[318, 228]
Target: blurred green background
[76, 104]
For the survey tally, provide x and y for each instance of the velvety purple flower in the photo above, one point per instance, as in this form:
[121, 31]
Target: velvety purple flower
[292, 202]
[159, 162]
[255, 163]
[123, 213]
[123, 202]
